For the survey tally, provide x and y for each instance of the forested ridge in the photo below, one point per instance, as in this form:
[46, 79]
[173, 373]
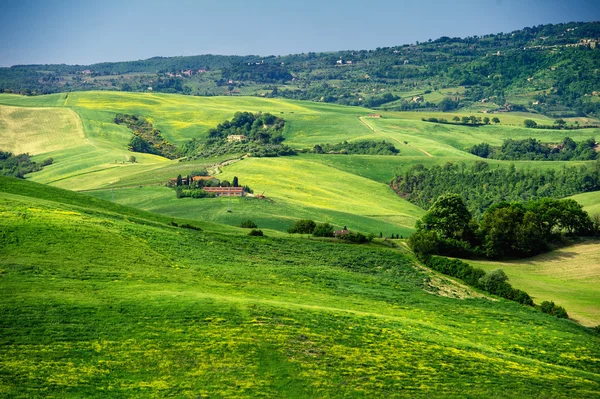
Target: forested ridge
[557, 64]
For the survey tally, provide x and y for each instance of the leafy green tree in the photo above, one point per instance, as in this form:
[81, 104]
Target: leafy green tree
[493, 280]
[235, 182]
[495, 120]
[449, 217]
[323, 230]
[530, 123]
[456, 119]
[551, 308]
[482, 150]
[303, 226]
[179, 180]
[248, 224]
[424, 243]
[486, 120]
[465, 119]
[499, 227]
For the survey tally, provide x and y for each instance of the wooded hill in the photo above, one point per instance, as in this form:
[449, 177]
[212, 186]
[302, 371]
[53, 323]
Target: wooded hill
[552, 69]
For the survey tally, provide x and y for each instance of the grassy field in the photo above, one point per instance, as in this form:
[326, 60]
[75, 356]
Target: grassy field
[39, 130]
[147, 309]
[90, 151]
[569, 277]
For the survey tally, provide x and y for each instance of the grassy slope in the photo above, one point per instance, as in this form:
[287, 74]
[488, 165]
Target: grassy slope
[150, 310]
[569, 277]
[39, 130]
[590, 202]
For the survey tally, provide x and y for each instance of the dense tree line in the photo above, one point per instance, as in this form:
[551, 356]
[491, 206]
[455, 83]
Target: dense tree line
[534, 150]
[366, 147]
[261, 73]
[146, 138]
[516, 229]
[19, 165]
[480, 185]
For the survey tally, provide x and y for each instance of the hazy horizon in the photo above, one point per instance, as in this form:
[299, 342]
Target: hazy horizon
[72, 32]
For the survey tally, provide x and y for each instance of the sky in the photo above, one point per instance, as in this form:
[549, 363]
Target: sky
[89, 31]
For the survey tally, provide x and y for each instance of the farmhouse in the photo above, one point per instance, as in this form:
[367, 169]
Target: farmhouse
[236, 137]
[205, 178]
[225, 191]
[342, 232]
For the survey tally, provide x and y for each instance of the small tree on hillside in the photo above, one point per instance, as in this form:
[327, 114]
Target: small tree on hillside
[235, 181]
[449, 217]
[323, 230]
[495, 120]
[303, 226]
[529, 123]
[456, 119]
[486, 120]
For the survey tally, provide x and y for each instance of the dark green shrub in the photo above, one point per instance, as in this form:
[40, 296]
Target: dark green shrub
[303, 226]
[248, 224]
[354, 237]
[552, 309]
[256, 233]
[323, 230]
[424, 243]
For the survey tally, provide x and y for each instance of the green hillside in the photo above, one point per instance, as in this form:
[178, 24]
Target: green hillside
[90, 152]
[100, 300]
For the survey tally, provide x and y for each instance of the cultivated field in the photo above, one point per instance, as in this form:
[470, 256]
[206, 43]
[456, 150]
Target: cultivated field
[570, 277]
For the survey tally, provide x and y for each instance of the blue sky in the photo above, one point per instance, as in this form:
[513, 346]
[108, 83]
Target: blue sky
[85, 31]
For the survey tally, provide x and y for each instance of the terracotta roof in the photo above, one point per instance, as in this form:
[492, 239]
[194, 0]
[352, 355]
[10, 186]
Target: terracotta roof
[223, 189]
[198, 178]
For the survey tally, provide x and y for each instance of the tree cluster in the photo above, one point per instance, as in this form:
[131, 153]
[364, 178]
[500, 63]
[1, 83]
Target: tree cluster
[259, 135]
[146, 138]
[19, 165]
[534, 150]
[505, 229]
[366, 147]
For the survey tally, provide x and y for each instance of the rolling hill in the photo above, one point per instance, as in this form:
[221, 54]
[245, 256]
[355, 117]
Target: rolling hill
[90, 153]
[104, 300]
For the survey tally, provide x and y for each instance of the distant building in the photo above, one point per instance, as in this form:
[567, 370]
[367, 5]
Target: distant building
[418, 99]
[339, 62]
[342, 232]
[374, 116]
[204, 178]
[225, 191]
[348, 62]
[236, 137]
